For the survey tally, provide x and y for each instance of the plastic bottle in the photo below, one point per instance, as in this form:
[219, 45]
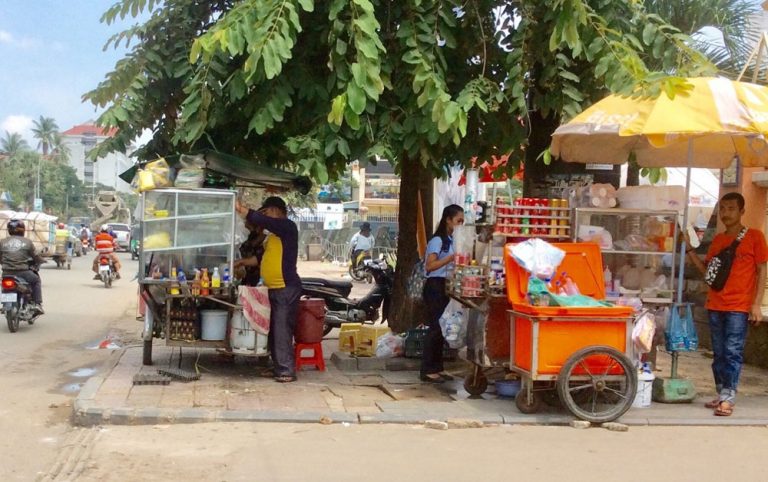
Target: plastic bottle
[570, 287]
[196, 283]
[215, 278]
[225, 278]
[205, 283]
[174, 282]
[181, 277]
[608, 278]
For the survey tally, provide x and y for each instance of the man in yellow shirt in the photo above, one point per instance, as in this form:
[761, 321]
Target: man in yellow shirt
[278, 270]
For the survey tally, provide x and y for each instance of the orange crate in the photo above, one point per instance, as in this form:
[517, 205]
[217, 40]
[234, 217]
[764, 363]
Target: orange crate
[557, 338]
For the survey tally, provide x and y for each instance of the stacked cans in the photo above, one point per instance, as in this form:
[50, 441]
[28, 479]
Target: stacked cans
[533, 217]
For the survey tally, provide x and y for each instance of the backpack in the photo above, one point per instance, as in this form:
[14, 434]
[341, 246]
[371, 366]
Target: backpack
[719, 266]
[415, 286]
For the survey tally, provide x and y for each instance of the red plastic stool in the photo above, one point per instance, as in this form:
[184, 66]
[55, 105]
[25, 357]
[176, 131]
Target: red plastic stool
[315, 360]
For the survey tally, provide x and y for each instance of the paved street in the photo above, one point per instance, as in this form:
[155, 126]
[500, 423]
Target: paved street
[47, 364]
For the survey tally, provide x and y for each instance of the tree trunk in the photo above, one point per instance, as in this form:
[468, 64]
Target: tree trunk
[633, 174]
[406, 313]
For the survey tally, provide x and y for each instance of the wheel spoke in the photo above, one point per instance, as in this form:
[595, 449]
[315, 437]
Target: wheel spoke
[584, 366]
[621, 394]
[580, 387]
[610, 365]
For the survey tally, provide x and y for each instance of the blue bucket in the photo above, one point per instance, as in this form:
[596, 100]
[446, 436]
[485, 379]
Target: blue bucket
[507, 388]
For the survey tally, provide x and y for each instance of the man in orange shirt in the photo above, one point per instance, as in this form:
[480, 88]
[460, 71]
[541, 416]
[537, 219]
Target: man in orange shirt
[737, 303]
[105, 245]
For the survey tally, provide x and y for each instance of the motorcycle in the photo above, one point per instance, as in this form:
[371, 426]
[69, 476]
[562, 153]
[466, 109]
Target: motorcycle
[357, 269]
[135, 248]
[340, 309]
[107, 271]
[86, 245]
[16, 299]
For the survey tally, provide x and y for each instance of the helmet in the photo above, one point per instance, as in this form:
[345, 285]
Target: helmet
[61, 226]
[365, 227]
[16, 227]
[104, 228]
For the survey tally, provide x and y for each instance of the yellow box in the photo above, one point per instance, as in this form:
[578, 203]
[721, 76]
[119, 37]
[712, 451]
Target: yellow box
[349, 337]
[368, 338]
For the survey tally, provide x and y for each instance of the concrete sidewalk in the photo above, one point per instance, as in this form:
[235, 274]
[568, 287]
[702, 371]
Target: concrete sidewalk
[231, 390]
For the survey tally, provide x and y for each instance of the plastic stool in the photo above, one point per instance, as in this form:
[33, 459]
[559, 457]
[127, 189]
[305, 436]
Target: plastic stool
[315, 360]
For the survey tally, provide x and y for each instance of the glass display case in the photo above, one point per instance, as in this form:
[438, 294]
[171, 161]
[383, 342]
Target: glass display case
[638, 247]
[186, 229]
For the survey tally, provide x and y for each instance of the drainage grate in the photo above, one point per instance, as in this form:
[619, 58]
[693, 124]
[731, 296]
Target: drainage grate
[151, 379]
[179, 374]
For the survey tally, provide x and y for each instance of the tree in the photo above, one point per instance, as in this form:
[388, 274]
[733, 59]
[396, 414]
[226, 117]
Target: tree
[13, 144]
[60, 151]
[45, 130]
[423, 83]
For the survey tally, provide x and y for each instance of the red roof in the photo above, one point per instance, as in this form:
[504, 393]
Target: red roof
[89, 129]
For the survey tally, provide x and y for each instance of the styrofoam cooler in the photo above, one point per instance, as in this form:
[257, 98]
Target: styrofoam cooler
[644, 390]
[243, 338]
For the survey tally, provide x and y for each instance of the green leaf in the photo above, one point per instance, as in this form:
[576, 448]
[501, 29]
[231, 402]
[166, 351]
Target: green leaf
[356, 98]
[648, 33]
[307, 5]
[352, 119]
[194, 52]
[336, 116]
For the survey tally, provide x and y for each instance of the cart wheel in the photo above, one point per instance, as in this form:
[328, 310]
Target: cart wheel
[550, 397]
[522, 403]
[597, 384]
[476, 383]
[147, 353]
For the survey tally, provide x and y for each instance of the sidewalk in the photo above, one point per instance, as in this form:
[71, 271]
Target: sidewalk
[230, 390]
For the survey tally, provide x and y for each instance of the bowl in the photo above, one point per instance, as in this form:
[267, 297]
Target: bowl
[507, 388]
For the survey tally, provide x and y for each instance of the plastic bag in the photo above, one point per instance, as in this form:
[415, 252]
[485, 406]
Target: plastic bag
[390, 345]
[153, 175]
[453, 324]
[415, 284]
[190, 178]
[643, 332]
[538, 257]
[681, 333]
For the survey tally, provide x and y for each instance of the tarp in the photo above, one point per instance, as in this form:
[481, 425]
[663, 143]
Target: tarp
[39, 228]
[242, 170]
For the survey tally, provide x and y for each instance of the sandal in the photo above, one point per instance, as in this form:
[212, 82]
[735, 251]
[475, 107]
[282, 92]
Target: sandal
[724, 409]
[712, 403]
[285, 379]
[267, 373]
[446, 377]
[435, 379]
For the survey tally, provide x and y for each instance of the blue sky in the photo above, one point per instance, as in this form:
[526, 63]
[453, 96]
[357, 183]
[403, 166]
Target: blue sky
[50, 55]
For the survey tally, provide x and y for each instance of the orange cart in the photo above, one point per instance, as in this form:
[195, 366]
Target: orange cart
[579, 352]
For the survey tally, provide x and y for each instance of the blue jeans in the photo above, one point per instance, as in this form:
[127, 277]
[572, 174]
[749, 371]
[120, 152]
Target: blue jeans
[728, 330]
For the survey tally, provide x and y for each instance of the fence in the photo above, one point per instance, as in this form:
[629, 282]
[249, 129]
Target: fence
[339, 253]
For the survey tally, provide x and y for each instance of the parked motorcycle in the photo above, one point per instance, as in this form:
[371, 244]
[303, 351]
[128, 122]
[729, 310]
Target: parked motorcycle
[107, 271]
[357, 269]
[16, 299]
[340, 309]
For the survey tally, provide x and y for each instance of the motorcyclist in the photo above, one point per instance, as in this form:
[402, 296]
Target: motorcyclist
[19, 257]
[105, 244]
[62, 235]
[361, 241]
[85, 234]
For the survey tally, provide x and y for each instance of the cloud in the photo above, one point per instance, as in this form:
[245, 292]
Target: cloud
[5, 37]
[8, 38]
[18, 123]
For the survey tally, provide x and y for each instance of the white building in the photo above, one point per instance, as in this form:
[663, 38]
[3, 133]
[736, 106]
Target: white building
[80, 140]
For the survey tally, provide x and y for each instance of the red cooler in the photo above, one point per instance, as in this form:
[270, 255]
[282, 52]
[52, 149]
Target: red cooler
[309, 323]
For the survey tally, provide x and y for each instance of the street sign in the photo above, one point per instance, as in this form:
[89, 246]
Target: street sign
[38, 204]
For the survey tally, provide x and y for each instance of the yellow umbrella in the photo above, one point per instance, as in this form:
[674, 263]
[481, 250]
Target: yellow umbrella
[706, 126]
[724, 118]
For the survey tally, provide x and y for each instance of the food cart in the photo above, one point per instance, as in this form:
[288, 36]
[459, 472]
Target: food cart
[188, 247]
[581, 352]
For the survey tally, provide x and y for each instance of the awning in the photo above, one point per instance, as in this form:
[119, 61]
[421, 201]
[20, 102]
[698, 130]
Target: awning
[240, 170]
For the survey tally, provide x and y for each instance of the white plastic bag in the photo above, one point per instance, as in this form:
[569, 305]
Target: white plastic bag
[454, 325]
[643, 332]
[390, 345]
[538, 257]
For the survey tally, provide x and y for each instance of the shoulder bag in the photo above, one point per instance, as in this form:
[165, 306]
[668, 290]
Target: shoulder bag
[719, 266]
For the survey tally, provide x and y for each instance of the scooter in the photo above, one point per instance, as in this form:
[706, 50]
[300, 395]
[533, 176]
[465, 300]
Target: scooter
[357, 269]
[86, 245]
[16, 299]
[107, 271]
[340, 309]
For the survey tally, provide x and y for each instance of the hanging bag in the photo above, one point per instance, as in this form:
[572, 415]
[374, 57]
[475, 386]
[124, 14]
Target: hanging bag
[719, 266]
[415, 286]
[680, 333]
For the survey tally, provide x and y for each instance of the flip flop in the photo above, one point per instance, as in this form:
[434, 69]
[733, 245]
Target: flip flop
[712, 403]
[724, 409]
[267, 373]
[285, 379]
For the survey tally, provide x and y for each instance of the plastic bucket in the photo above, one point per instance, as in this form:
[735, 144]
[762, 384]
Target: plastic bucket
[309, 323]
[241, 336]
[214, 324]
[644, 390]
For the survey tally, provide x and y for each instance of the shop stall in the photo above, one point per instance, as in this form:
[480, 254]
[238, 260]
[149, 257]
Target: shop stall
[190, 240]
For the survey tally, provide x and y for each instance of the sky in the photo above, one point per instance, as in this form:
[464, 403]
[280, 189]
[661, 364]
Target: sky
[50, 55]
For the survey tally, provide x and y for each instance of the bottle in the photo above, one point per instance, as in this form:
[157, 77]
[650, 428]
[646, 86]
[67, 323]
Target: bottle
[569, 286]
[196, 283]
[205, 283]
[215, 278]
[174, 282]
[608, 278]
[225, 278]
[181, 277]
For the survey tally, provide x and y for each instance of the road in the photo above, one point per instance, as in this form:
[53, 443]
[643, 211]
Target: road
[43, 365]
[39, 381]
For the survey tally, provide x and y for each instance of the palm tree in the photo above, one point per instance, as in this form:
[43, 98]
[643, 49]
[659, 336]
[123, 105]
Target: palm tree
[13, 144]
[45, 130]
[59, 149]
[732, 18]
